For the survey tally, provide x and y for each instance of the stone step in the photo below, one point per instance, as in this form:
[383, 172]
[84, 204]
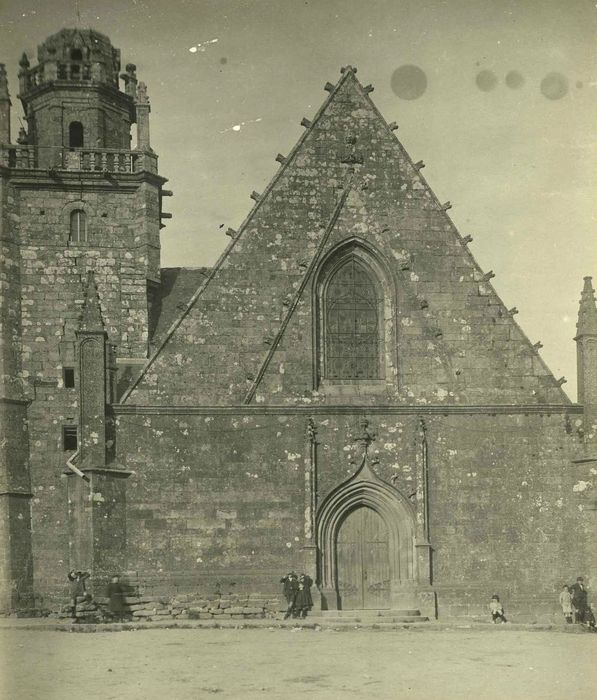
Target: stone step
[377, 621]
[403, 612]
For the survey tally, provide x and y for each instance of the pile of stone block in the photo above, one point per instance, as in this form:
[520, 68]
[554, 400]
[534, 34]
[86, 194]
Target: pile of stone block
[87, 610]
[223, 607]
[147, 607]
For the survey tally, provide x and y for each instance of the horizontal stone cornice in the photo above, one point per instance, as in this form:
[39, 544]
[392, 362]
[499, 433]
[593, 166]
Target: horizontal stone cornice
[490, 410]
[66, 180]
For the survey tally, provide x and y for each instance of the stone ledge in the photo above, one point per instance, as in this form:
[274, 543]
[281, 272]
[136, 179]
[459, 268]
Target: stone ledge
[313, 624]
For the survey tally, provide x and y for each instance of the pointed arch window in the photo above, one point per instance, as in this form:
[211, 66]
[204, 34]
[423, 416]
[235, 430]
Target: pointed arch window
[352, 323]
[78, 226]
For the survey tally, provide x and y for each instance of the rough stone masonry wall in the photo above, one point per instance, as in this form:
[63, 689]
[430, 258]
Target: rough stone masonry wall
[218, 500]
[107, 126]
[52, 276]
[449, 337]
[15, 486]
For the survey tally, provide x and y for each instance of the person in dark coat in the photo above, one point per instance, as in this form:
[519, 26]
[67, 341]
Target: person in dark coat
[579, 599]
[116, 604]
[77, 588]
[303, 601]
[290, 582]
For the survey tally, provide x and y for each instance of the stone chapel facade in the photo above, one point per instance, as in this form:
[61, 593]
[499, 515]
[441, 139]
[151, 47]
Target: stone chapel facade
[343, 392]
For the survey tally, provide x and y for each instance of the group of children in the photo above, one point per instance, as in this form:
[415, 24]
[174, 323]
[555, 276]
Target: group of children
[575, 606]
[573, 599]
[297, 591]
[116, 594]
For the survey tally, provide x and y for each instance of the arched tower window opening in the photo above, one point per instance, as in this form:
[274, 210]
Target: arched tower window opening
[75, 135]
[76, 55]
[78, 226]
[351, 323]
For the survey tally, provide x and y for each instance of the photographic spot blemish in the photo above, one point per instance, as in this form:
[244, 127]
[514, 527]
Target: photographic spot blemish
[486, 80]
[223, 60]
[514, 79]
[554, 86]
[238, 127]
[203, 46]
[409, 82]
[579, 84]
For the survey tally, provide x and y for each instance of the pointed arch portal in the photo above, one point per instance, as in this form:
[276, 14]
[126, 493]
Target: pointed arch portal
[366, 546]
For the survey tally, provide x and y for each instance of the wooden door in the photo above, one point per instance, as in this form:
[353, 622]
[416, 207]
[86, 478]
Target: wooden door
[362, 556]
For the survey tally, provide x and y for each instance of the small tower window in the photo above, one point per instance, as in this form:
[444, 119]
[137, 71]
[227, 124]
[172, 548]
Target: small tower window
[68, 376]
[76, 55]
[75, 135]
[69, 438]
[78, 226]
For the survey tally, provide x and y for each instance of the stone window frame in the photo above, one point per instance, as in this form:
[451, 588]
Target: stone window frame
[375, 263]
[68, 377]
[76, 129]
[67, 211]
[77, 232]
[70, 432]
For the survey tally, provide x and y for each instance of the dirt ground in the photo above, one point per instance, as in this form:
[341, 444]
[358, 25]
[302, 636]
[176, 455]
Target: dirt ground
[277, 663]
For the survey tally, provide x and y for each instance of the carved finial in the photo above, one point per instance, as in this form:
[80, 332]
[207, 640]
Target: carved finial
[91, 315]
[281, 159]
[328, 87]
[367, 436]
[142, 98]
[467, 239]
[488, 275]
[3, 81]
[24, 62]
[393, 126]
[305, 122]
[587, 311]
[538, 345]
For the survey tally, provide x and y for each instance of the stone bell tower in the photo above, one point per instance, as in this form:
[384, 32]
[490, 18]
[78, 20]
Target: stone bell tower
[78, 196]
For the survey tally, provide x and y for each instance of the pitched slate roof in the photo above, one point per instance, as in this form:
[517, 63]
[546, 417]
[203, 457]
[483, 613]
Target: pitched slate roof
[177, 287]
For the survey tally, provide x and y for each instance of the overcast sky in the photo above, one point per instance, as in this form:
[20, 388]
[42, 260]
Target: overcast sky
[502, 111]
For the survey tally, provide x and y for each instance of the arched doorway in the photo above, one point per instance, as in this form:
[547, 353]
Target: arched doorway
[366, 545]
[363, 560]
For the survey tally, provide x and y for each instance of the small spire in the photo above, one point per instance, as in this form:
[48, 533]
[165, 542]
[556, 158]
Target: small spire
[91, 315]
[142, 98]
[24, 62]
[3, 83]
[587, 311]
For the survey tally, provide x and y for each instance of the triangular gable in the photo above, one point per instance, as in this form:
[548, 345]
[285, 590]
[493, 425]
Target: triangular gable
[348, 173]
